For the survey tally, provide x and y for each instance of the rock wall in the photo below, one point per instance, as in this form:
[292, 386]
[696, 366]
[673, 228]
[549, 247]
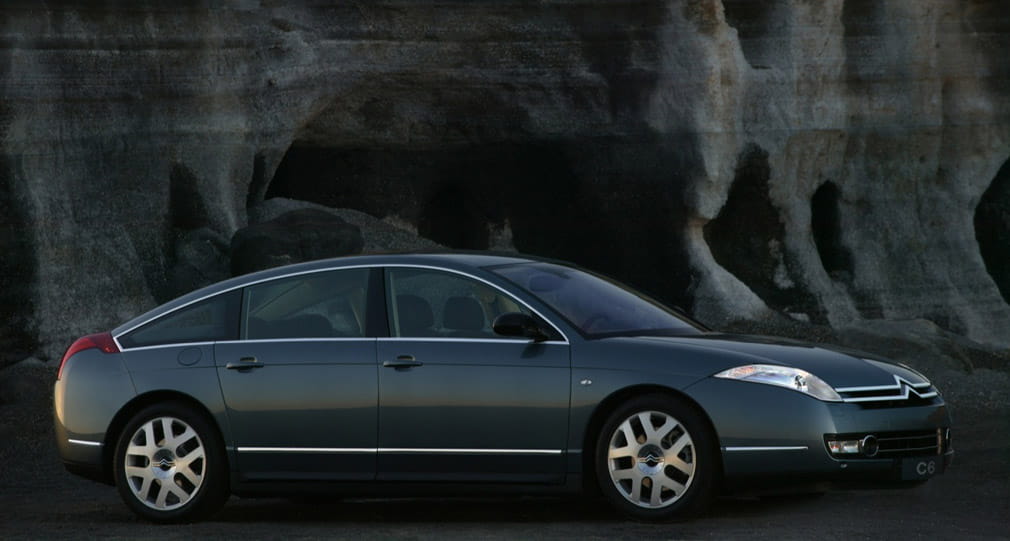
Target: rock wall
[834, 160]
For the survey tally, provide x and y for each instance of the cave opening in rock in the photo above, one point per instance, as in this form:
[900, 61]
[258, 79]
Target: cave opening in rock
[992, 229]
[610, 205]
[756, 24]
[17, 271]
[825, 224]
[746, 238]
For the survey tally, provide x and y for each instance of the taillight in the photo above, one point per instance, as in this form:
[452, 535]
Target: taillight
[102, 341]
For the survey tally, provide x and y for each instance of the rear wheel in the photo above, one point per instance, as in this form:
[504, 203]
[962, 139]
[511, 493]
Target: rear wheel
[170, 464]
[656, 459]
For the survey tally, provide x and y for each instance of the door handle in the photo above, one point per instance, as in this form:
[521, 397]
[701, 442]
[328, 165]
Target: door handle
[243, 364]
[403, 362]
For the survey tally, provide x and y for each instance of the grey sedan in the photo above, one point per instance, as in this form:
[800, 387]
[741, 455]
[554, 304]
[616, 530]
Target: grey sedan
[472, 373]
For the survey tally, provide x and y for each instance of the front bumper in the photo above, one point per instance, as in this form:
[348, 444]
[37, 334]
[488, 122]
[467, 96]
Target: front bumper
[771, 435]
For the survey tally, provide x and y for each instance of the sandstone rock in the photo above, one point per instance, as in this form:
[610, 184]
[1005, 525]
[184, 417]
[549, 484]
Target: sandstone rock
[378, 236]
[831, 160]
[293, 237]
[201, 258]
[923, 345]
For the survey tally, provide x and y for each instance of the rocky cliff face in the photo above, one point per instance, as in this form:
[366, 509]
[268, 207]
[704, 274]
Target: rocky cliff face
[833, 161]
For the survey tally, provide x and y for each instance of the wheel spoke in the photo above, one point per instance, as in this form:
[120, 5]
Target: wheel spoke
[163, 491]
[666, 482]
[685, 467]
[662, 431]
[137, 450]
[629, 433]
[143, 473]
[636, 488]
[621, 452]
[186, 461]
[177, 441]
[191, 476]
[166, 430]
[683, 441]
[657, 493]
[652, 434]
[178, 491]
[646, 419]
[630, 473]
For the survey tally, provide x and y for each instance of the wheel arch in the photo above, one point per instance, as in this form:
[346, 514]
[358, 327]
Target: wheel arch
[611, 403]
[131, 408]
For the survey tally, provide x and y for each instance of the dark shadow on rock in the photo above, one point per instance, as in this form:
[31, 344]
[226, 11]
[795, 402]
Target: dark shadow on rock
[992, 230]
[17, 269]
[747, 239]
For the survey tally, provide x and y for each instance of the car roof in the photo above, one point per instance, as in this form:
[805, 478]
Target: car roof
[459, 260]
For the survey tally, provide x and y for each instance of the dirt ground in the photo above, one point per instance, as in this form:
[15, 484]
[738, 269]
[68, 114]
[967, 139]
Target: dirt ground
[39, 499]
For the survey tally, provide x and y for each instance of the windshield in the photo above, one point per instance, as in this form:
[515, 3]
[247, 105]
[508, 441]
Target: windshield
[596, 306]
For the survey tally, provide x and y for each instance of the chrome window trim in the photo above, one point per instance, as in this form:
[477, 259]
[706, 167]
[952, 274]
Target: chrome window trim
[399, 450]
[86, 443]
[275, 340]
[766, 448]
[470, 340]
[115, 337]
[172, 345]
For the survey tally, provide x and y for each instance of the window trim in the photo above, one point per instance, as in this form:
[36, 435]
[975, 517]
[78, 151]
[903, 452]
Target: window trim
[381, 266]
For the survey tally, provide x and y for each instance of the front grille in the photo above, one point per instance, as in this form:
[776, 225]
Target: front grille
[902, 394]
[899, 444]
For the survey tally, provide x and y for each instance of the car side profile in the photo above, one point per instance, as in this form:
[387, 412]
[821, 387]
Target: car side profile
[471, 373]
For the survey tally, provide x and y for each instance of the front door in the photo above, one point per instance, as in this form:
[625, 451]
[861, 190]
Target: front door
[456, 401]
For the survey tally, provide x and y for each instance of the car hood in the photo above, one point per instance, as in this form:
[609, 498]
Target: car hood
[838, 367]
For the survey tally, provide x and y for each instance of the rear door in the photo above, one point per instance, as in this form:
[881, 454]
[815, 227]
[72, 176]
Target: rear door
[300, 385]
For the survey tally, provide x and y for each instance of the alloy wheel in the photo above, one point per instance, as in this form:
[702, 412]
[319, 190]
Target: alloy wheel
[651, 459]
[165, 463]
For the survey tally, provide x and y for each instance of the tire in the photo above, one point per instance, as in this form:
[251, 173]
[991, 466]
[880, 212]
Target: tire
[656, 459]
[170, 464]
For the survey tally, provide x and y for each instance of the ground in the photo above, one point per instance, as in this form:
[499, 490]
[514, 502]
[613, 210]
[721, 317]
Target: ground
[39, 499]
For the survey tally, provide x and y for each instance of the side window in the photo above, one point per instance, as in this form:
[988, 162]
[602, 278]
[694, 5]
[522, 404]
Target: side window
[319, 305]
[426, 303]
[209, 320]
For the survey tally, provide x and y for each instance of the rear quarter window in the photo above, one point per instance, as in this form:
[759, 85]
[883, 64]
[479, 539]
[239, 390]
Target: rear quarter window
[209, 320]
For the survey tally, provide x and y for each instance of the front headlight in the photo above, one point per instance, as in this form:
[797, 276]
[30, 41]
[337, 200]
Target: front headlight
[783, 376]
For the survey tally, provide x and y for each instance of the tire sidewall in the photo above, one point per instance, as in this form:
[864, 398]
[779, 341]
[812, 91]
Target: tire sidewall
[707, 464]
[214, 488]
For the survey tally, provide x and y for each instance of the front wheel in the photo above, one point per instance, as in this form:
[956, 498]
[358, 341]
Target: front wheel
[170, 464]
[656, 459]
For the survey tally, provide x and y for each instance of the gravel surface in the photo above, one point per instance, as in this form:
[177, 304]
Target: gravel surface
[39, 499]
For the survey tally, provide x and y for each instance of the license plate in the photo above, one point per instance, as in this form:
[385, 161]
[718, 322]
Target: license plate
[914, 469]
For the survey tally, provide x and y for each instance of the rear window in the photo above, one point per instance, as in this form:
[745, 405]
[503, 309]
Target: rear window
[209, 320]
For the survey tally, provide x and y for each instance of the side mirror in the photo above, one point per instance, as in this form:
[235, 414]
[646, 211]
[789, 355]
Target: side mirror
[518, 324]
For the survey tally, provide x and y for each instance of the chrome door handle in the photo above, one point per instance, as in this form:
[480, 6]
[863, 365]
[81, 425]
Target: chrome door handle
[245, 363]
[403, 362]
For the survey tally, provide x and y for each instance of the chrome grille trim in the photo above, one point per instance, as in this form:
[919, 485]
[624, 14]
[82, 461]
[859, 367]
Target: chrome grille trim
[897, 444]
[901, 390]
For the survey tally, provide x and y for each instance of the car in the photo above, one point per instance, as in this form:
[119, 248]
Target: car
[472, 373]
